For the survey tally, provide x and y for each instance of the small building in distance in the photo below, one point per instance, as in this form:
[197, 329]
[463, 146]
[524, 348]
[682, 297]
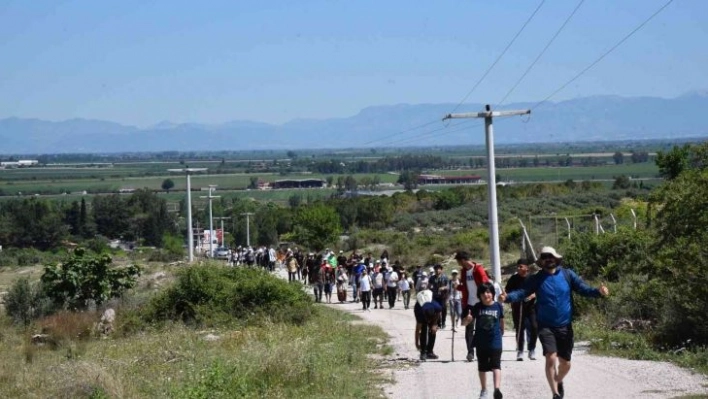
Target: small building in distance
[22, 163]
[438, 179]
[302, 183]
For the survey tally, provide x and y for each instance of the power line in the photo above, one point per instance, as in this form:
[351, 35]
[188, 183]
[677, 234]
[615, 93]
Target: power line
[402, 132]
[640, 26]
[499, 57]
[489, 69]
[508, 93]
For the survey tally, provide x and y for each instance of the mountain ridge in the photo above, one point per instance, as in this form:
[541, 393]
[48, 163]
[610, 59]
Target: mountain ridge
[593, 118]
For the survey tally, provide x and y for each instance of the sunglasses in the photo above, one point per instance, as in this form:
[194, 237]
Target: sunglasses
[547, 256]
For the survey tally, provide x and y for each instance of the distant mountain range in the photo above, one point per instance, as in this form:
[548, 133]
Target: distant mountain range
[597, 118]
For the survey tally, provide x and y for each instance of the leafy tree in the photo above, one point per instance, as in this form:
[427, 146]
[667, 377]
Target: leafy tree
[253, 182]
[168, 184]
[316, 226]
[330, 179]
[408, 179]
[672, 163]
[680, 253]
[618, 157]
[82, 280]
[621, 182]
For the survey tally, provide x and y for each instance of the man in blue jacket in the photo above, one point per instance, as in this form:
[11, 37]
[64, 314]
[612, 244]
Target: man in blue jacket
[554, 310]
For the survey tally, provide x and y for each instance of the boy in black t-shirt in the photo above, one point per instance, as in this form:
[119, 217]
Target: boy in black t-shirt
[488, 317]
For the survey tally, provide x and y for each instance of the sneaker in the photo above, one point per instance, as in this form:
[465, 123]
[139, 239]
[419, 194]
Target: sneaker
[520, 356]
[423, 356]
[432, 355]
[497, 394]
[532, 354]
[470, 357]
[561, 390]
[556, 396]
[483, 394]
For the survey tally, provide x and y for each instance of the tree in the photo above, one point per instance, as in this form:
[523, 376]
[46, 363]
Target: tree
[167, 184]
[316, 226]
[253, 182]
[408, 179]
[82, 280]
[672, 163]
[680, 255]
[621, 182]
[618, 157]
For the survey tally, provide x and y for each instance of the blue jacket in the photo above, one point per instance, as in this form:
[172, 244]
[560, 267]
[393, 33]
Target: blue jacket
[554, 306]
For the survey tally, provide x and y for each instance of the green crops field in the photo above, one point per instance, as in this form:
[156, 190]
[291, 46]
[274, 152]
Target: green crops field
[577, 173]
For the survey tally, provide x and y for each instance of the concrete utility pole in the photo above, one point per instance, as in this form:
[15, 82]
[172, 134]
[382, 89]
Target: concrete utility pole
[488, 115]
[190, 232]
[248, 227]
[223, 233]
[212, 187]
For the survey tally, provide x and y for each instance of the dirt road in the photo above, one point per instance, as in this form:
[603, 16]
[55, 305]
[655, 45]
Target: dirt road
[590, 377]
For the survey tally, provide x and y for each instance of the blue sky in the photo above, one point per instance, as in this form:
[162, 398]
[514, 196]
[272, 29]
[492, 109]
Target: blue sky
[142, 62]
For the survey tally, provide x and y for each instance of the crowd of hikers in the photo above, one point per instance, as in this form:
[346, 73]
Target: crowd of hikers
[541, 302]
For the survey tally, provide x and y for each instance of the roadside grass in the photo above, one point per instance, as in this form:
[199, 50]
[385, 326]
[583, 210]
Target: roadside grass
[637, 346]
[328, 356]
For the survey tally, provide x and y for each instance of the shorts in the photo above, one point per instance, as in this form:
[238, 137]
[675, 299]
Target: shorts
[488, 359]
[418, 312]
[557, 340]
[328, 288]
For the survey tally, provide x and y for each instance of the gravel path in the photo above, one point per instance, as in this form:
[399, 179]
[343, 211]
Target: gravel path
[590, 377]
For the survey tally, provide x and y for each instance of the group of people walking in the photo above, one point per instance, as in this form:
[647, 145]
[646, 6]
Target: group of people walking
[541, 308]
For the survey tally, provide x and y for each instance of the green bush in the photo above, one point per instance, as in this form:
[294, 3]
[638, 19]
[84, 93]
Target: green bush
[215, 295]
[26, 301]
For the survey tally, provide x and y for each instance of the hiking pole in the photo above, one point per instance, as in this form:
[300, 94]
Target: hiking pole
[452, 349]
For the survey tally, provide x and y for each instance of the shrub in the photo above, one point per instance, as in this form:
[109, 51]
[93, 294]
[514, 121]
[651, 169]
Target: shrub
[26, 301]
[214, 295]
[82, 280]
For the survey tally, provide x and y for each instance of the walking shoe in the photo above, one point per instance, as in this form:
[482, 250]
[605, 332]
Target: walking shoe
[497, 394]
[483, 394]
[423, 356]
[556, 396]
[520, 356]
[532, 354]
[561, 390]
[376, 306]
[470, 357]
[432, 355]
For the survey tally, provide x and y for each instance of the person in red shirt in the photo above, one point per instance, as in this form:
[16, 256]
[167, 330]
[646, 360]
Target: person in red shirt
[473, 274]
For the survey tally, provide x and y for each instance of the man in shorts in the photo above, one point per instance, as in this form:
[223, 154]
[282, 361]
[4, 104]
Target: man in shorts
[554, 310]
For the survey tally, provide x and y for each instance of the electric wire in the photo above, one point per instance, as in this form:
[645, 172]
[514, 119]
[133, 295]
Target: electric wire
[630, 34]
[479, 81]
[538, 57]
[499, 57]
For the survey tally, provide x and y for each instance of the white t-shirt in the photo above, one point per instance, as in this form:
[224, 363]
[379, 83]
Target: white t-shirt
[378, 280]
[471, 287]
[455, 294]
[365, 283]
[405, 284]
[392, 280]
[424, 297]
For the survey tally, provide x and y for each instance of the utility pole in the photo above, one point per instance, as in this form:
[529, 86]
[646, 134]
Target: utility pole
[488, 115]
[223, 233]
[248, 227]
[212, 187]
[190, 232]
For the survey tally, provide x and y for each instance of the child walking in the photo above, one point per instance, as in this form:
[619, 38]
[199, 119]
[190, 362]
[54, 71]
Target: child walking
[488, 317]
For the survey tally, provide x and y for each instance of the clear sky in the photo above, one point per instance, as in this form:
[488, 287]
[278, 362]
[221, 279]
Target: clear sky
[141, 62]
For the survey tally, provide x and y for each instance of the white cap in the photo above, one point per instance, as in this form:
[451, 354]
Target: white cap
[453, 271]
[551, 251]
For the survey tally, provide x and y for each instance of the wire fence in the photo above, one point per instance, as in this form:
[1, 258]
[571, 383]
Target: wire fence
[556, 230]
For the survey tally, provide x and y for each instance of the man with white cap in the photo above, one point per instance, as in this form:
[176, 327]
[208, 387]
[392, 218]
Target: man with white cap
[553, 286]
